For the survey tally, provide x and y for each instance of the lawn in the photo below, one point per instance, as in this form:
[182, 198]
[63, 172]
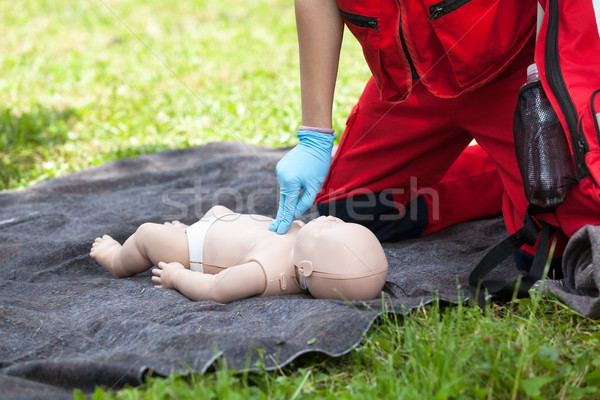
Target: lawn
[86, 82]
[523, 350]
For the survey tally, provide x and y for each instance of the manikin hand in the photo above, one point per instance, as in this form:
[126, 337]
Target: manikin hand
[304, 167]
[163, 275]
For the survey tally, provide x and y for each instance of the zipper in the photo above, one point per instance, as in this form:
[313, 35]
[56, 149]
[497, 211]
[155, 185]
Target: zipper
[595, 116]
[361, 20]
[371, 22]
[438, 10]
[413, 71]
[557, 84]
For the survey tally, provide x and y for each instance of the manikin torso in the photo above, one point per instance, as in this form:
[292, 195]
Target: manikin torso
[236, 239]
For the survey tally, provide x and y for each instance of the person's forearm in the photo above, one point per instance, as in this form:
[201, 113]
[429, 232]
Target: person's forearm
[320, 29]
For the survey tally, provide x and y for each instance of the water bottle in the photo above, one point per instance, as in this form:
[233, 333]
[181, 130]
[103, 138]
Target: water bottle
[532, 74]
[543, 153]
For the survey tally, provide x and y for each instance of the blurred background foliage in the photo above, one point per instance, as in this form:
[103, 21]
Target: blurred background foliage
[86, 82]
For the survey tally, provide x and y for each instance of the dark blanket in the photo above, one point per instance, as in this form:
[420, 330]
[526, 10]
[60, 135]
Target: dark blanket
[580, 288]
[65, 322]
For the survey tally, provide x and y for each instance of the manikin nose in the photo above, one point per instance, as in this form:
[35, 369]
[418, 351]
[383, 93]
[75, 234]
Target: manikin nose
[330, 218]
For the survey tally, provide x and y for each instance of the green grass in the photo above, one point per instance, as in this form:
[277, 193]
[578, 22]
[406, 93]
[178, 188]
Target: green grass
[86, 82]
[526, 349]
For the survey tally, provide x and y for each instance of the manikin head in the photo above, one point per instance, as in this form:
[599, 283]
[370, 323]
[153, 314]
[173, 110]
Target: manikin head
[339, 260]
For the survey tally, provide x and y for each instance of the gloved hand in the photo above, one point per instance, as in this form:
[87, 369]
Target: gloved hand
[304, 167]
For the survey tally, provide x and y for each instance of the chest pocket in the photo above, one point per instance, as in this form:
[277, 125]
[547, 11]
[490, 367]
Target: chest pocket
[375, 24]
[366, 30]
[480, 36]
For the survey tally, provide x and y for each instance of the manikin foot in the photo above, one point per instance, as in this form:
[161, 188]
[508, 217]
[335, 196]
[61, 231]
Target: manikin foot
[103, 251]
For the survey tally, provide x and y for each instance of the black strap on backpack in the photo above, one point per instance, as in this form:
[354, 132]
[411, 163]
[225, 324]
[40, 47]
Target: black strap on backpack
[528, 234]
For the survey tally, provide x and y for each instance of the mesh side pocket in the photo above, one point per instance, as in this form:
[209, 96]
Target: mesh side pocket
[543, 154]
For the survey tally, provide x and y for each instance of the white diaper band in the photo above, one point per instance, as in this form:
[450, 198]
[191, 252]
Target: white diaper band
[196, 233]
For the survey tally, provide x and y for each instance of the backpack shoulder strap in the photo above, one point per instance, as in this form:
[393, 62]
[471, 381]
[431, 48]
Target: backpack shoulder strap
[528, 234]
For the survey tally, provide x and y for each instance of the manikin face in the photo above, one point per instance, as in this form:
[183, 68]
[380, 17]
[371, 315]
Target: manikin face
[324, 241]
[322, 224]
[306, 247]
[335, 259]
[316, 231]
[313, 237]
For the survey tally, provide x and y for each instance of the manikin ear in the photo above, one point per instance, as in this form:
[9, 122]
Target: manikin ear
[305, 268]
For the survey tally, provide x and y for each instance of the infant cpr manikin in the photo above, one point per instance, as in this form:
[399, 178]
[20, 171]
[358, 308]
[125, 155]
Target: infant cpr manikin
[228, 256]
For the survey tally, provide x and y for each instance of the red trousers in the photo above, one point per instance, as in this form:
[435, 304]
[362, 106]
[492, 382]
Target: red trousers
[415, 157]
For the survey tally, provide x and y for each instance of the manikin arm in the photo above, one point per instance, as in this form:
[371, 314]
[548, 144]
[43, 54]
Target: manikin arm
[320, 28]
[234, 283]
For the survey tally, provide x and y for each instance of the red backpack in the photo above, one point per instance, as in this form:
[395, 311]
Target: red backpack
[560, 166]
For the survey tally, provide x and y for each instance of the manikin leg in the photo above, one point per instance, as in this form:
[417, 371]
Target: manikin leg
[149, 245]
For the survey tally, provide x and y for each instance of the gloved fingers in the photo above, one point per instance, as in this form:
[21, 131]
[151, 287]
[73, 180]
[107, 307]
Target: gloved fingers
[275, 224]
[308, 197]
[285, 224]
[290, 200]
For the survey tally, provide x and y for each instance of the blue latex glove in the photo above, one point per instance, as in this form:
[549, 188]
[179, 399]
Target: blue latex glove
[304, 167]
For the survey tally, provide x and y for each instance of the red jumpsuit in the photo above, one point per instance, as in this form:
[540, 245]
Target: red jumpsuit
[444, 73]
